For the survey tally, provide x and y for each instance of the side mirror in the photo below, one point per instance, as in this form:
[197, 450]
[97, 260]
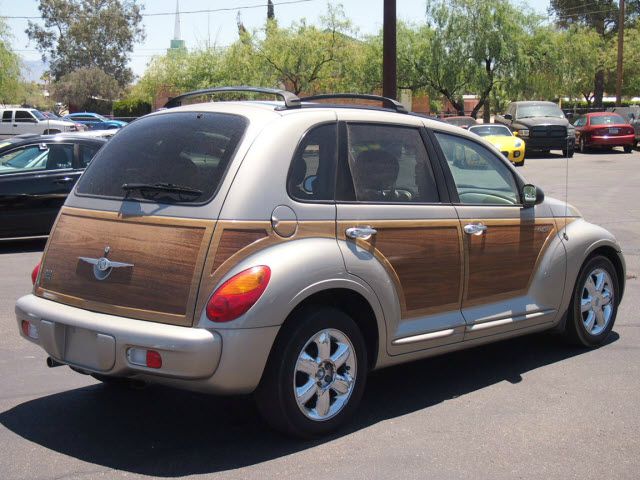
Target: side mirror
[507, 116]
[532, 195]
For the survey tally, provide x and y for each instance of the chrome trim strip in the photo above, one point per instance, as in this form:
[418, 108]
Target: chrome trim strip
[423, 336]
[504, 321]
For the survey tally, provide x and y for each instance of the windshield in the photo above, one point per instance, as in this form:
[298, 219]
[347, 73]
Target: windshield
[607, 120]
[38, 115]
[190, 150]
[488, 130]
[527, 111]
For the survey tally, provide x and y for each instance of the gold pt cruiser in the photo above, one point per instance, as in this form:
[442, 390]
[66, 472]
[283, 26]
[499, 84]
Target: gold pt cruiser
[289, 247]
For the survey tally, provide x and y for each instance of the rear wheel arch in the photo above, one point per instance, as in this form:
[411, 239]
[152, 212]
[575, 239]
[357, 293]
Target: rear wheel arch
[351, 303]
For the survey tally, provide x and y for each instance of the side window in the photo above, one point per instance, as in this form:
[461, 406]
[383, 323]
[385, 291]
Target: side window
[480, 176]
[6, 116]
[312, 172]
[24, 117]
[22, 159]
[60, 157]
[87, 152]
[390, 164]
[581, 122]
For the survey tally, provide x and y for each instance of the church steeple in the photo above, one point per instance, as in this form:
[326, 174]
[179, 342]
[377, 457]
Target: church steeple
[177, 44]
[176, 28]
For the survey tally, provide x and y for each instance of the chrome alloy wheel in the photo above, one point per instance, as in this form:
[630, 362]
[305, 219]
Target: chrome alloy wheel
[325, 374]
[596, 304]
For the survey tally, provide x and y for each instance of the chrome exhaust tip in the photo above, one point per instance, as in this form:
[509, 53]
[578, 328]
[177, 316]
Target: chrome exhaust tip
[51, 362]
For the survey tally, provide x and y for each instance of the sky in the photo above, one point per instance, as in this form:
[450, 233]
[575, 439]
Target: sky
[219, 27]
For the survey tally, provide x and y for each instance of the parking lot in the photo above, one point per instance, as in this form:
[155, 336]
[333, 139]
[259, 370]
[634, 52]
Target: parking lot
[532, 407]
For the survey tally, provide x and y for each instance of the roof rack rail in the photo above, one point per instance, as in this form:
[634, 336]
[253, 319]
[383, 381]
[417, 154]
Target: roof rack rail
[290, 100]
[386, 101]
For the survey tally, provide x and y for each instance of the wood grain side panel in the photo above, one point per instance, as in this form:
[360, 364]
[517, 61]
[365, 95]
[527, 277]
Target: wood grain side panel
[161, 286]
[233, 240]
[427, 261]
[502, 260]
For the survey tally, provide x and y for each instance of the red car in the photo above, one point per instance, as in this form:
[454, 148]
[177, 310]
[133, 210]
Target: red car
[603, 129]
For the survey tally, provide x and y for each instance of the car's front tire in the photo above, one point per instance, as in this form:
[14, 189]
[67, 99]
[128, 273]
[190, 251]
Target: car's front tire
[594, 305]
[628, 148]
[315, 375]
[568, 152]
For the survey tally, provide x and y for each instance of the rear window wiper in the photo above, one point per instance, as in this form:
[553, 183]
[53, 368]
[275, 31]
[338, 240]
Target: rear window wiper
[150, 191]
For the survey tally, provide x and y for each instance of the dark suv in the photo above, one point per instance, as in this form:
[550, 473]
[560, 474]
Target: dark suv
[542, 125]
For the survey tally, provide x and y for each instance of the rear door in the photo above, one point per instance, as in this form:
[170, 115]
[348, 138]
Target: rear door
[505, 287]
[6, 124]
[397, 232]
[35, 180]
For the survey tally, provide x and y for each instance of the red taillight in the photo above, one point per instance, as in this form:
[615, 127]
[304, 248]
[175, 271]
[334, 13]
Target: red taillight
[34, 273]
[25, 328]
[154, 360]
[238, 294]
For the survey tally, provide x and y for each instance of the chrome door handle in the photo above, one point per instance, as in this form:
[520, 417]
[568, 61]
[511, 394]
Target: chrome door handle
[475, 228]
[364, 233]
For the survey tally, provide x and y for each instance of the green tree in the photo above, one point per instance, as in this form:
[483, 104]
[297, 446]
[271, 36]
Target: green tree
[10, 78]
[600, 15]
[87, 89]
[88, 33]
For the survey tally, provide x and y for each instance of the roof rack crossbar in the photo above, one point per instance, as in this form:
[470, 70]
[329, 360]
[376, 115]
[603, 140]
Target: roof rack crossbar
[386, 101]
[290, 100]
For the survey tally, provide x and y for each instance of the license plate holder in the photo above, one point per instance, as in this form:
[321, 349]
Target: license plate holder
[88, 348]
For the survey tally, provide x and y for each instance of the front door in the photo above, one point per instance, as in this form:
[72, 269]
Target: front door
[514, 271]
[396, 234]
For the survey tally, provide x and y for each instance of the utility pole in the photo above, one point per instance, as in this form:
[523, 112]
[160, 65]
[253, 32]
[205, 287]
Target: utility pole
[389, 65]
[620, 55]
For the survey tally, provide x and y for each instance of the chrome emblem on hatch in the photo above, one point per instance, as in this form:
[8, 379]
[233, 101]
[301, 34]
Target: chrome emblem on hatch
[102, 266]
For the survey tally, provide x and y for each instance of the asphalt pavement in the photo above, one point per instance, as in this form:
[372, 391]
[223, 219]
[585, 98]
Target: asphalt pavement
[530, 408]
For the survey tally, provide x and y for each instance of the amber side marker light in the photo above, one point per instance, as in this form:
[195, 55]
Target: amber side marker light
[238, 294]
[34, 273]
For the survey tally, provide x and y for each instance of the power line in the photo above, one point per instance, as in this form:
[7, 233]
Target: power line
[185, 12]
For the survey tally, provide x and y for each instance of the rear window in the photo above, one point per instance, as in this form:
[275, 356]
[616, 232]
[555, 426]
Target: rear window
[607, 120]
[189, 152]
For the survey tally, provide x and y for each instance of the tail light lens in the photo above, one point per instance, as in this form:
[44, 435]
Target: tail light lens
[34, 273]
[238, 294]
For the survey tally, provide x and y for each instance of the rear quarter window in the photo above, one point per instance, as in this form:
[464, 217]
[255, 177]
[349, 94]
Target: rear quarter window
[186, 149]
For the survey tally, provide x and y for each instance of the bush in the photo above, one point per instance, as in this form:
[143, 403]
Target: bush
[131, 108]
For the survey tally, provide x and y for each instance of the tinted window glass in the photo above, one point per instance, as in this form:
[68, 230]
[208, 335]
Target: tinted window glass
[38, 114]
[390, 164]
[37, 157]
[6, 115]
[607, 120]
[23, 116]
[187, 149]
[480, 176]
[311, 176]
[87, 152]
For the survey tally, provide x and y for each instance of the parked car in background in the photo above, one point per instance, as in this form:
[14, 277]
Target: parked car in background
[37, 172]
[632, 116]
[288, 248]
[541, 124]
[94, 121]
[604, 130]
[17, 121]
[462, 122]
[52, 116]
[512, 147]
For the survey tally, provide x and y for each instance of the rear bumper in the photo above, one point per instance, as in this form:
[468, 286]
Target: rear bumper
[611, 141]
[192, 358]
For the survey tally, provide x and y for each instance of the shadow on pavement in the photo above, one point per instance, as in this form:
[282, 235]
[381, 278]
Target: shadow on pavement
[25, 245]
[163, 432]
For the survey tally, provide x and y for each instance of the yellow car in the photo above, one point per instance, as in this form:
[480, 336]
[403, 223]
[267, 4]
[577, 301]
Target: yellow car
[501, 137]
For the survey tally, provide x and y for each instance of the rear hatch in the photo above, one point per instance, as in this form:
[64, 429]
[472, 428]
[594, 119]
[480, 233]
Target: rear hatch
[125, 262]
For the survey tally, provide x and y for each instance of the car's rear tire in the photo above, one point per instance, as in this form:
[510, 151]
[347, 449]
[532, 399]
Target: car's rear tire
[628, 148]
[594, 304]
[51, 132]
[309, 387]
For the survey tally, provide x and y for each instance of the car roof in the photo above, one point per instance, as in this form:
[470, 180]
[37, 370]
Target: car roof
[534, 102]
[25, 139]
